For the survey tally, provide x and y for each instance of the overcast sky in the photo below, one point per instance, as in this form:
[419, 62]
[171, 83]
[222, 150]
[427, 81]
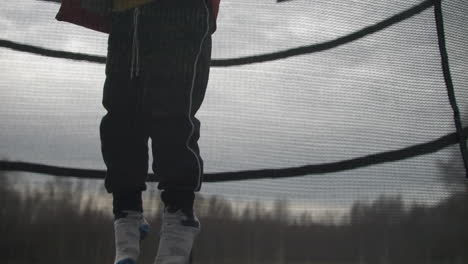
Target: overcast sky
[380, 93]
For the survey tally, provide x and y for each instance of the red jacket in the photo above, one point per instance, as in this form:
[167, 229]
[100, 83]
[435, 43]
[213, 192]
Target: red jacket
[72, 12]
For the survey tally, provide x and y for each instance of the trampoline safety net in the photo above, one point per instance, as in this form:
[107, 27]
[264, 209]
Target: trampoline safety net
[331, 132]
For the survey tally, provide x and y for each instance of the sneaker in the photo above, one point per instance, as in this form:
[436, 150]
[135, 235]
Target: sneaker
[129, 232]
[179, 229]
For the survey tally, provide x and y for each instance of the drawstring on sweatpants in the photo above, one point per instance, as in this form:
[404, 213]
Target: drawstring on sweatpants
[135, 65]
[135, 55]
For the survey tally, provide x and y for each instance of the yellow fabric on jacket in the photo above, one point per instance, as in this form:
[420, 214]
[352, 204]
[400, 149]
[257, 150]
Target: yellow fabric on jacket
[121, 5]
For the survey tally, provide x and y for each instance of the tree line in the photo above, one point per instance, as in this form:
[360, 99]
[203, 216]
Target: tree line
[57, 225]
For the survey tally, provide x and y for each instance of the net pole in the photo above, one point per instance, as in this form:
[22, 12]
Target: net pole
[449, 82]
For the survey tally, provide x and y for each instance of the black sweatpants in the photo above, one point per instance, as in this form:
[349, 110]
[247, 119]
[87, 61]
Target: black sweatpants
[157, 72]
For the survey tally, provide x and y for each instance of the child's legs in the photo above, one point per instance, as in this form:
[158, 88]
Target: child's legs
[175, 56]
[123, 130]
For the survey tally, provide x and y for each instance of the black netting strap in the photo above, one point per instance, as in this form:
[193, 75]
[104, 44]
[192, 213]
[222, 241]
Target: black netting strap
[373, 159]
[243, 60]
[448, 81]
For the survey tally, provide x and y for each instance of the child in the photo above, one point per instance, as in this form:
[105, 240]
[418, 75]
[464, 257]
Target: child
[157, 72]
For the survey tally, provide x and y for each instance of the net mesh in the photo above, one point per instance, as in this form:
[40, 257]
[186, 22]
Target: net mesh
[380, 92]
